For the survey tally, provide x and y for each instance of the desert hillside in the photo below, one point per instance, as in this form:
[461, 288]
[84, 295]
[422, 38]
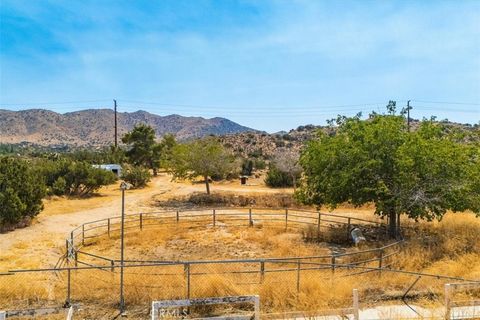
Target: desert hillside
[96, 127]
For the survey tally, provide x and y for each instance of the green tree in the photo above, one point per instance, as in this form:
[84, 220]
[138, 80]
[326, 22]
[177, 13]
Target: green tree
[205, 158]
[138, 177]
[21, 191]
[143, 150]
[421, 174]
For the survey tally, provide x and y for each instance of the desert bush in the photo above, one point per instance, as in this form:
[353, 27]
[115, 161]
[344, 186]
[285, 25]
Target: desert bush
[247, 167]
[227, 199]
[21, 191]
[137, 176]
[278, 179]
[259, 164]
[67, 177]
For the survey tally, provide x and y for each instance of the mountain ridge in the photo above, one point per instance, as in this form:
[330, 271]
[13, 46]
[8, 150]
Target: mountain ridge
[95, 127]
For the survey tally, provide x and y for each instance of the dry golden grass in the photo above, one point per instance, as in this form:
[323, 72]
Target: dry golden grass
[450, 247]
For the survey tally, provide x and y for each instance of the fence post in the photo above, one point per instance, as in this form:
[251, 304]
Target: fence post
[214, 217]
[67, 250]
[83, 234]
[76, 258]
[318, 225]
[67, 301]
[141, 221]
[250, 221]
[380, 261]
[262, 271]
[71, 240]
[348, 228]
[448, 291]
[286, 219]
[257, 308]
[108, 226]
[356, 314]
[112, 265]
[333, 264]
[186, 268]
[298, 276]
[178, 216]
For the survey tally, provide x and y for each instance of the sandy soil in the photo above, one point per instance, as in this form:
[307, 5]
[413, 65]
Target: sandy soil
[41, 244]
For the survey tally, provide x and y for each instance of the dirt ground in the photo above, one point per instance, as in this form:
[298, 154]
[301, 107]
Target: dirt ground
[41, 243]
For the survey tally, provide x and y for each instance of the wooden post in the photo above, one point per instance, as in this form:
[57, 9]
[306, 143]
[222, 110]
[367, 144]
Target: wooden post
[76, 258]
[141, 221]
[448, 291]
[286, 219]
[112, 265]
[71, 240]
[178, 216]
[108, 226]
[257, 308]
[356, 313]
[250, 221]
[214, 217]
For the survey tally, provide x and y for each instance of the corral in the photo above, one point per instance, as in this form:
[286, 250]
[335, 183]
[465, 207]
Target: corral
[90, 272]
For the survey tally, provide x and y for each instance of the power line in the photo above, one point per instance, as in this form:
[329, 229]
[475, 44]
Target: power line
[49, 103]
[446, 102]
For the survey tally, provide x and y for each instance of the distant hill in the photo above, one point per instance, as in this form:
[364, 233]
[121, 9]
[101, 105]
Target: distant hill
[94, 128]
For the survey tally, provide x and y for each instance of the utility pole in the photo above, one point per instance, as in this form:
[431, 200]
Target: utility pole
[115, 111]
[408, 115]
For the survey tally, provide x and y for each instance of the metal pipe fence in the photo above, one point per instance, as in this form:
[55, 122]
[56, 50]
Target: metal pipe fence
[285, 283]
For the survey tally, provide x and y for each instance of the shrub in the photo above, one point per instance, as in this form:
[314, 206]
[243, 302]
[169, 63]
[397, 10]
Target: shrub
[59, 186]
[21, 192]
[259, 164]
[247, 167]
[73, 177]
[278, 179]
[137, 176]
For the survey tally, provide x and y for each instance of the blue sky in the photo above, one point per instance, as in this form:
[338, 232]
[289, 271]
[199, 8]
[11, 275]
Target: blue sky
[271, 65]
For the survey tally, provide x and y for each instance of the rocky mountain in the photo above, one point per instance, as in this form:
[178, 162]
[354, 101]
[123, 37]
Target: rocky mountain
[95, 127]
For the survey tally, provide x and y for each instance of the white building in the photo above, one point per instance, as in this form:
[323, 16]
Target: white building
[115, 168]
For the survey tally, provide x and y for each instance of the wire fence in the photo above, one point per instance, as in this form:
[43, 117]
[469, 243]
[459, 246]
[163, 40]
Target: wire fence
[285, 284]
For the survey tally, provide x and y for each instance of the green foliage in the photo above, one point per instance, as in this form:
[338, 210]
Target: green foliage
[206, 158]
[278, 179]
[420, 174]
[21, 191]
[67, 177]
[144, 151]
[247, 167]
[138, 177]
[259, 164]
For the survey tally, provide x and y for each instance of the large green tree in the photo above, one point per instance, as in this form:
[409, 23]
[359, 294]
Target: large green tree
[205, 158]
[21, 191]
[421, 174]
[143, 150]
